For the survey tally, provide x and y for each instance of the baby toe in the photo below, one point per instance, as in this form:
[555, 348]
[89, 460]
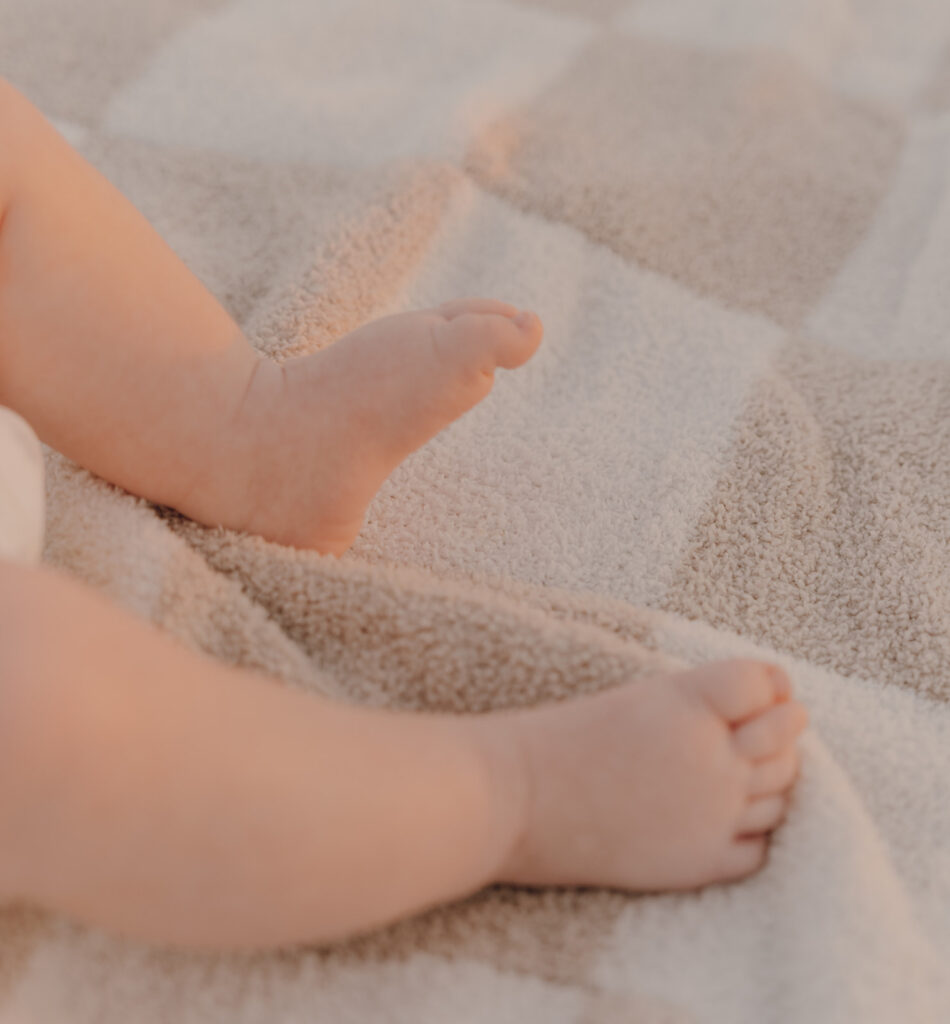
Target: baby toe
[762, 815]
[738, 690]
[518, 339]
[743, 856]
[769, 733]
[484, 341]
[775, 774]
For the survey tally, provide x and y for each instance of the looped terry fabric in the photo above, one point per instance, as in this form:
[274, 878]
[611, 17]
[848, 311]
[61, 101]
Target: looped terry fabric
[22, 489]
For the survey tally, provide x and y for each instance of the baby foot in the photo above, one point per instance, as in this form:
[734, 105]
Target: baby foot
[671, 782]
[331, 426]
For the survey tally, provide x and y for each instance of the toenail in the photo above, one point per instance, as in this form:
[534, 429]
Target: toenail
[523, 318]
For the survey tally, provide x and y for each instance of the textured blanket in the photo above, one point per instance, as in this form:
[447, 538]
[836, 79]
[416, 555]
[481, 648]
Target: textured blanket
[733, 217]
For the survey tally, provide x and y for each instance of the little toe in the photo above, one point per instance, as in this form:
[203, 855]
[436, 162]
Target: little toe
[456, 307]
[768, 734]
[740, 689]
[762, 815]
[484, 341]
[743, 856]
[775, 774]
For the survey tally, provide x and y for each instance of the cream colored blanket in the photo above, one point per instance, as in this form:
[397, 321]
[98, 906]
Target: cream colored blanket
[734, 219]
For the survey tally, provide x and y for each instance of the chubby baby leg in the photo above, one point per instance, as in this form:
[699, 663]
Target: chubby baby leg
[110, 348]
[155, 792]
[118, 356]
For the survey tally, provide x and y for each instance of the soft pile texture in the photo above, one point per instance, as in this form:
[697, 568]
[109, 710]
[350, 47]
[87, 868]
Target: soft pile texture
[734, 220]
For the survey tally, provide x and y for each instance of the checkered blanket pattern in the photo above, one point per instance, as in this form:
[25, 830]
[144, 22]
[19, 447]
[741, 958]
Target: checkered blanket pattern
[733, 217]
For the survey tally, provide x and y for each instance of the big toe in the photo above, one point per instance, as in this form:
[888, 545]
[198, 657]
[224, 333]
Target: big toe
[484, 341]
[741, 689]
[768, 734]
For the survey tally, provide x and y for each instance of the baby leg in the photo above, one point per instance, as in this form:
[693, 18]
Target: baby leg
[120, 358]
[150, 790]
[109, 347]
[156, 792]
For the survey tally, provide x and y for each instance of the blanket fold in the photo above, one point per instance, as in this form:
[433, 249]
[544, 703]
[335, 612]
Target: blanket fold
[733, 442]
